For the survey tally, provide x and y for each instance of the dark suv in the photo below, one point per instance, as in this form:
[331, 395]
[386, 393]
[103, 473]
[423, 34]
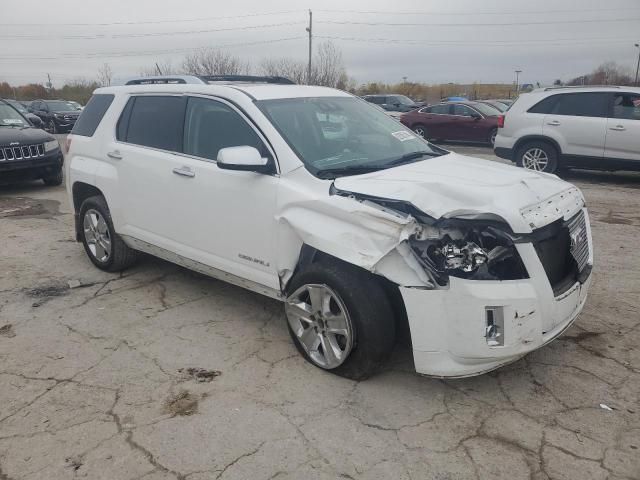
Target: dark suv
[58, 116]
[25, 152]
[393, 103]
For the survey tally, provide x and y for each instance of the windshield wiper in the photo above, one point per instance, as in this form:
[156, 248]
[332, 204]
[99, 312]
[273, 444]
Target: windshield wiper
[410, 157]
[354, 170]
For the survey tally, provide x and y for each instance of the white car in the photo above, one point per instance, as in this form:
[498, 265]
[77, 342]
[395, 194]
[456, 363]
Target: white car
[360, 229]
[582, 127]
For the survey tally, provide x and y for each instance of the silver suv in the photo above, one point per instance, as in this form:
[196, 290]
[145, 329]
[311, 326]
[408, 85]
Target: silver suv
[583, 127]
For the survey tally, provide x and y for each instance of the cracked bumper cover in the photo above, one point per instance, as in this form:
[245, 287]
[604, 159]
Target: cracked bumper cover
[448, 326]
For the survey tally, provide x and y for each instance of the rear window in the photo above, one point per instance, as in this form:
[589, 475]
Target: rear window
[582, 105]
[153, 121]
[92, 114]
[544, 106]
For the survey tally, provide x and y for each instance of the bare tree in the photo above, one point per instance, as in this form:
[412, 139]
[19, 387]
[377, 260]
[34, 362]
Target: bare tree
[104, 75]
[165, 67]
[211, 61]
[608, 73]
[295, 70]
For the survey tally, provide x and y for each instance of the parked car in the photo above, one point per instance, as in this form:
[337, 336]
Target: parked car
[501, 107]
[33, 119]
[504, 101]
[393, 103]
[459, 121]
[315, 198]
[581, 127]
[58, 116]
[74, 104]
[26, 152]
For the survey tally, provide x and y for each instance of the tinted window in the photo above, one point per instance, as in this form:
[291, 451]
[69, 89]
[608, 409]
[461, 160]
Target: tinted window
[582, 105]
[439, 109]
[92, 115]
[462, 110]
[544, 106]
[210, 126]
[626, 106]
[377, 100]
[60, 106]
[157, 122]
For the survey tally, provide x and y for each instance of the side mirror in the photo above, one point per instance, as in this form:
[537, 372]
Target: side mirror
[476, 116]
[34, 120]
[245, 158]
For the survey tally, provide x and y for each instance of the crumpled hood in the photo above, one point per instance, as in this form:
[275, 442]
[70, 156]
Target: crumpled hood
[454, 185]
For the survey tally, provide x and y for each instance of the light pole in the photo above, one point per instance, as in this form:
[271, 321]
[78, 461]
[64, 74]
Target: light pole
[518, 72]
[638, 66]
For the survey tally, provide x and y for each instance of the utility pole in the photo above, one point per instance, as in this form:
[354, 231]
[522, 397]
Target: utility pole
[638, 66]
[310, 30]
[158, 69]
[49, 84]
[518, 72]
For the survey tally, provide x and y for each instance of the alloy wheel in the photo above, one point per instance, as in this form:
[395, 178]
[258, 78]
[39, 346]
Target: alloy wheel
[320, 321]
[420, 131]
[535, 159]
[97, 236]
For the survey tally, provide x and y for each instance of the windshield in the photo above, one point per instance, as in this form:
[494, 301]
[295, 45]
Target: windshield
[336, 136]
[486, 110]
[9, 117]
[500, 106]
[18, 106]
[60, 106]
[401, 99]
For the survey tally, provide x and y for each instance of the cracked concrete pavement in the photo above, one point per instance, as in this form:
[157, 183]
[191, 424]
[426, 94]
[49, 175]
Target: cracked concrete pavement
[95, 380]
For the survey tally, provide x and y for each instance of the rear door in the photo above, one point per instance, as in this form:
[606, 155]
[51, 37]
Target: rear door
[623, 127]
[465, 126]
[578, 122]
[436, 118]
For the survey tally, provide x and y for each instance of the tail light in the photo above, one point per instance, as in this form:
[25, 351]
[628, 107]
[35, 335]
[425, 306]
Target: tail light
[501, 121]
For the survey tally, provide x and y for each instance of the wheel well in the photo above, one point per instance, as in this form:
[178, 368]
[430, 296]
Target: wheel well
[310, 255]
[537, 138]
[82, 191]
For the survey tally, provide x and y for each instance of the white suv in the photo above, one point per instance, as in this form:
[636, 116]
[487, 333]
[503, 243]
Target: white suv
[318, 199]
[583, 127]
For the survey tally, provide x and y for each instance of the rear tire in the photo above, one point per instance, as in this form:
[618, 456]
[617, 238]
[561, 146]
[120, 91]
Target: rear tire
[367, 322]
[539, 156]
[103, 245]
[492, 137]
[53, 180]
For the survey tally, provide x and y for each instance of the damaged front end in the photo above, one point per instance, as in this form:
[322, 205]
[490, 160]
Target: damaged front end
[470, 249]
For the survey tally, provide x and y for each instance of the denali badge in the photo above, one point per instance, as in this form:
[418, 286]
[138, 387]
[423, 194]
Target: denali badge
[254, 260]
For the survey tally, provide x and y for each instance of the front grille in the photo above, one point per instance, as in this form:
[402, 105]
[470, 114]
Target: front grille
[564, 252]
[579, 240]
[22, 152]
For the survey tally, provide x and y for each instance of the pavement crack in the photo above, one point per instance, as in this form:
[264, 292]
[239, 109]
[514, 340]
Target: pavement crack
[237, 459]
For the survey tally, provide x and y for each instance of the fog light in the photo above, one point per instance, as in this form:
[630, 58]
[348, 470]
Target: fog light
[494, 326]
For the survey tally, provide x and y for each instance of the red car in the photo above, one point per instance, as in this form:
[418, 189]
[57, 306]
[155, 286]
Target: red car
[461, 121]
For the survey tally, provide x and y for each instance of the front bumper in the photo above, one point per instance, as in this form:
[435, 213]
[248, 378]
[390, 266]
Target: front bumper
[449, 326]
[31, 168]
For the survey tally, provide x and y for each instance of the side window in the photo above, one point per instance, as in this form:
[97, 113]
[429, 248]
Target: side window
[582, 105]
[462, 110]
[377, 100]
[210, 125]
[544, 106]
[626, 106]
[92, 115]
[426, 110]
[442, 109]
[156, 121]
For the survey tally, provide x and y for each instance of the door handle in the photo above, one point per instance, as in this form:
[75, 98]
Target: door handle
[116, 155]
[618, 128]
[553, 123]
[184, 171]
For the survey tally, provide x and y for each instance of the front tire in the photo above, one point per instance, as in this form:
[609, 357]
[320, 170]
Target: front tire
[538, 156]
[103, 245]
[53, 180]
[340, 319]
[421, 131]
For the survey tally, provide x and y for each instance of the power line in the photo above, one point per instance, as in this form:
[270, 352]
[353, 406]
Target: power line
[146, 22]
[496, 24]
[150, 34]
[82, 56]
[414, 13]
[489, 43]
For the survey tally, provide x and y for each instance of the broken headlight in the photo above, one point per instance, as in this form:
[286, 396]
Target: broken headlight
[470, 250]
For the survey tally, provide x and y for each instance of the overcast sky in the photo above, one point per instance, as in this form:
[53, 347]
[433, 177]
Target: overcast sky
[440, 41]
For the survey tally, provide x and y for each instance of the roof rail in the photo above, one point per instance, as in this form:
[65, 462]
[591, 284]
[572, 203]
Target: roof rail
[247, 79]
[166, 80]
[579, 86]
